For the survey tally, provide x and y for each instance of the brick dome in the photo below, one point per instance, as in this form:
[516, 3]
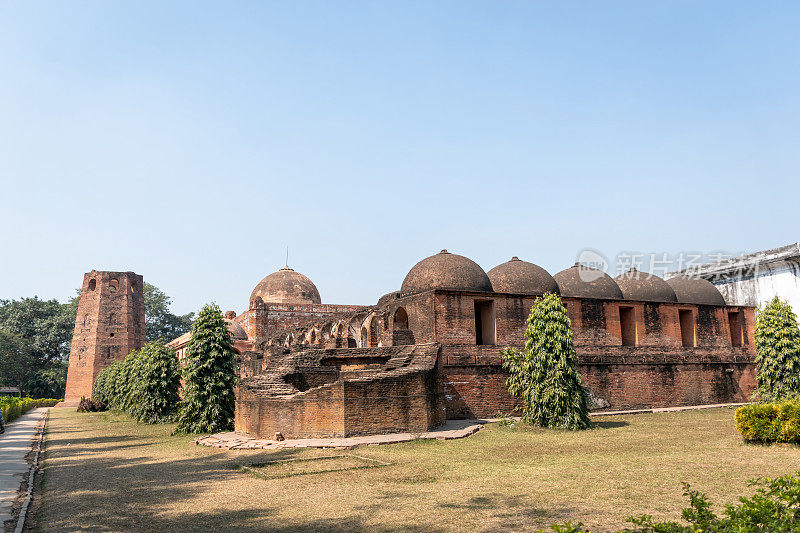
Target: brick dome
[286, 286]
[696, 291]
[521, 277]
[645, 287]
[446, 271]
[388, 297]
[237, 331]
[580, 281]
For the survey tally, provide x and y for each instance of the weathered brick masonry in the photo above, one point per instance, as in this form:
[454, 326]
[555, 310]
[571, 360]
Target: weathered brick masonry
[640, 342]
[339, 392]
[109, 325]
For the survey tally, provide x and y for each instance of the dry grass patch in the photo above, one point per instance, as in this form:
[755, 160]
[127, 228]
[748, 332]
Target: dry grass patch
[105, 472]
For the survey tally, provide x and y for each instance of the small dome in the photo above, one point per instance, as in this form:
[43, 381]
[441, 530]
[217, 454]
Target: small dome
[696, 291]
[286, 287]
[237, 331]
[446, 271]
[580, 281]
[388, 297]
[521, 277]
[644, 287]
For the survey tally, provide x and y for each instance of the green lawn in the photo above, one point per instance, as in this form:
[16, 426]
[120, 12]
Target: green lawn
[104, 472]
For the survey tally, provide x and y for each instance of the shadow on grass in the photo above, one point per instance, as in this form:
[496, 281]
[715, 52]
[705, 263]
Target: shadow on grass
[510, 511]
[105, 483]
[610, 424]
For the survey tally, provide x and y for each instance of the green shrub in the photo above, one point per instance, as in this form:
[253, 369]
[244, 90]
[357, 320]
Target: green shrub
[770, 422]
[775, 507]
[15, 407]
[100, 389]
[90, 405]
[545, 373]
[777, 340]
[144, 385]
[154, 393]
[208, 400]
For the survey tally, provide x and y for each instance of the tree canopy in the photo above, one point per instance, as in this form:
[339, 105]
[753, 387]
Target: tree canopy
[159, 321]
[47, 325]
[16, 359]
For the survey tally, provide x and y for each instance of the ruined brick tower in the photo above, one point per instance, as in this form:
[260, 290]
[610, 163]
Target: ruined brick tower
[109, 325]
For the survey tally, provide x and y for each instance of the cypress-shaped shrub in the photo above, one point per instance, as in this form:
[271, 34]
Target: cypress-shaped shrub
[209, 374]
[777, 352]
[545, 373]
[154, 392]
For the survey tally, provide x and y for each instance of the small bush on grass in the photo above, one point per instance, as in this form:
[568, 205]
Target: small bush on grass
[770, 422]
[208, 401]
[545, 374]
[89, 405]
[775, 507]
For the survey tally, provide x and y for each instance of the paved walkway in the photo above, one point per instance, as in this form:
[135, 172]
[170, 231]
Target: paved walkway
[452, 429]
[15, 444]
[666, 409]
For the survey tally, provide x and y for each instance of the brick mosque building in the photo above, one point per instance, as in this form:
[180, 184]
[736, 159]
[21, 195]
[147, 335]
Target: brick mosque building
[431, 351]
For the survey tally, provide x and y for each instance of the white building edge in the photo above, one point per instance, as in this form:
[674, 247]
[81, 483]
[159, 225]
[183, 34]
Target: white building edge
[754, 279]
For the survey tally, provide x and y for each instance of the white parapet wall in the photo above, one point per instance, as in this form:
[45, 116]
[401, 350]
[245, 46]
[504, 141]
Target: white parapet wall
[754, 279]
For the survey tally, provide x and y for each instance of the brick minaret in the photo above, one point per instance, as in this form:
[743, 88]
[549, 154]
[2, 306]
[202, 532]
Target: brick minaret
[109, 325]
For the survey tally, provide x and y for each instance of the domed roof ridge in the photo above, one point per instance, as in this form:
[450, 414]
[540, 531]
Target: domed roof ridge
[446, 271]
[579, 281]
[695, 290]
[287, 286]
[521, 277]
[644, 286]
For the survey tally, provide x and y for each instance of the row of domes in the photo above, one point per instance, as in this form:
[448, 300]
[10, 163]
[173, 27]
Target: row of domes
[451, 271]
[455, 272]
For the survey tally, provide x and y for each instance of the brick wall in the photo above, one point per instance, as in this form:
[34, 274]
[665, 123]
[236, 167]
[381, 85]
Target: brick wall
[262, 321]
[391, 404]
[474, 381]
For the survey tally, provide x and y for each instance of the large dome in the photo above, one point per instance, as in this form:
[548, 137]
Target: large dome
[287, 287]
[521, 277]
[696, 291]
[584, 282]
[644, 287]
[446, 271]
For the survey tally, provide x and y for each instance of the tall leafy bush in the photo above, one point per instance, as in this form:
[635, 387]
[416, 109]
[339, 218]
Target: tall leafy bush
[545, 373]
[145, 384]
[154, 394]
[777, 352]
[208, 399]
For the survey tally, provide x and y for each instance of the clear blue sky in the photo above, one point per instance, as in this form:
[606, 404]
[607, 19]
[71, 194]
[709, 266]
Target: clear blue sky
[191, 142]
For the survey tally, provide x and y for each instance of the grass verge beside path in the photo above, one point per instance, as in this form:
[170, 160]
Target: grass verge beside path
[105, 472]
